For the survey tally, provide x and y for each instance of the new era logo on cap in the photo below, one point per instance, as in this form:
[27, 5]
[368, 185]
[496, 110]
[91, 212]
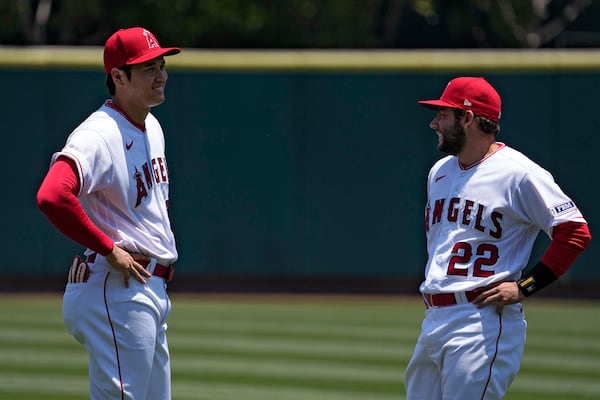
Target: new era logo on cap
[469, 93]
[133, 46]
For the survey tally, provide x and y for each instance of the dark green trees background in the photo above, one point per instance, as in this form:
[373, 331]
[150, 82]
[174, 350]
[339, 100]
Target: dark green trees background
[309, 23]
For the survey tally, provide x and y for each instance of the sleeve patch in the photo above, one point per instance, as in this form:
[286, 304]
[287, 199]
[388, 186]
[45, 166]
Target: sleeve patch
[556, 210]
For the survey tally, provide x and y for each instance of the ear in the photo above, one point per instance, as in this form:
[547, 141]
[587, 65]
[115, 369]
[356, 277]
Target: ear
[117, 76]
[469, 117]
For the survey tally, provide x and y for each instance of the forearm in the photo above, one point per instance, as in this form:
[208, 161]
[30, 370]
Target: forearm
[57, 200]
[568, 241]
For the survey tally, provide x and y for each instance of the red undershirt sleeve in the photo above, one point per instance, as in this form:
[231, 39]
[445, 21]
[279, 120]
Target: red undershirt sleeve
[57, 200]
[569, 239]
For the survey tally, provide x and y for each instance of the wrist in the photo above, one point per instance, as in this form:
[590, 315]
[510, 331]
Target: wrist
[538, 278]
[108, 249]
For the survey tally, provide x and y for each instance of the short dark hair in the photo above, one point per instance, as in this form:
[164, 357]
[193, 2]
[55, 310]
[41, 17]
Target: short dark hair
[110, 84]
[485, 124]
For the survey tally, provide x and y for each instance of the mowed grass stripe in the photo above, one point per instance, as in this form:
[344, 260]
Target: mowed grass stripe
[583, 364]
[354, 320]
[321, 349]
[566, 345]
[300, 381]
[285, 306]
[318, 370]
[42, 385]
[294, 348]
[35, 339]
[252, 353]
[188, 390]
[303, 328]
[568, 387]
[48, 356]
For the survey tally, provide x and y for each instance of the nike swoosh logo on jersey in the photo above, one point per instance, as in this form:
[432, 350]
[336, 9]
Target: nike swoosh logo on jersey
[439, 178]
[128, 145]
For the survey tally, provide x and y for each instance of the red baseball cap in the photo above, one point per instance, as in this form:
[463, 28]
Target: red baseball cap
[133, 46]
[469, 93]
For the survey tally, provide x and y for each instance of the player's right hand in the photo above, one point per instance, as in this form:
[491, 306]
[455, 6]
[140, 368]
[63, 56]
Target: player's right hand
[127, 265]
[501, 294]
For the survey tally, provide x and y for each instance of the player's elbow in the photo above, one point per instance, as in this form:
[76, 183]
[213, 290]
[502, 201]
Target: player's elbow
[48, 201]
[43, 201]
[581, 236]
[576, 234]
[587, 237]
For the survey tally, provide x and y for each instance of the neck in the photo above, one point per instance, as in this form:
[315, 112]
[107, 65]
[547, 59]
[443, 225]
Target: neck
[472, 156]
[138, 119]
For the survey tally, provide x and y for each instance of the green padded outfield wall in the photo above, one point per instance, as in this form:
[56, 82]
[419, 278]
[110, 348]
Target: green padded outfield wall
[297, 164]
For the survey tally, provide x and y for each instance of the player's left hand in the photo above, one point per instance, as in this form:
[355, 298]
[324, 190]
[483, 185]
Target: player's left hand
[501, 294]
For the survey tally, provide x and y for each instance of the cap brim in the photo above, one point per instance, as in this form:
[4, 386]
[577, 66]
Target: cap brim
[150, 55]
[435, 104]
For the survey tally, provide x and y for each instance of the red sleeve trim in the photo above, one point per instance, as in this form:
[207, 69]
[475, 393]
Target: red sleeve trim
[569, 239]
[57, 200]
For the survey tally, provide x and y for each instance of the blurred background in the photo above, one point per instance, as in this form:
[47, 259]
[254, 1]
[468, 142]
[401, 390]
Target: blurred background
[297, 153]
[309, 24]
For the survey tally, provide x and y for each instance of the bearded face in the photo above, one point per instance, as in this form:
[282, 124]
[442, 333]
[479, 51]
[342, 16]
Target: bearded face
[452, 139]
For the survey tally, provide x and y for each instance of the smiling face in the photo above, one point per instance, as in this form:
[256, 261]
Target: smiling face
[142, 90]
[148, 82]
[451, 133]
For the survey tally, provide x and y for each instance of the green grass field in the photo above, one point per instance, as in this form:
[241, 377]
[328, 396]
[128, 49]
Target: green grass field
[293, 348]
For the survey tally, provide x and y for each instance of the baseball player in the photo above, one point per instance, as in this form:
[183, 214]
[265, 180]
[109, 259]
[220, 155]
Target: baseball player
[108, 190]
[486, 204]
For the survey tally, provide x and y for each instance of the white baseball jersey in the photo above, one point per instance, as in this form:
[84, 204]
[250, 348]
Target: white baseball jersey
[124, 185]
[482, 220]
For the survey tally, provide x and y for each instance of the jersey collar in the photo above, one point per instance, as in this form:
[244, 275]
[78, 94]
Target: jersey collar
[465, 167]
[109, 103]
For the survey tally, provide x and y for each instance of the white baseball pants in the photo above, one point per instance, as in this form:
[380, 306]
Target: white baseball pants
[466, 353]
[124, 333]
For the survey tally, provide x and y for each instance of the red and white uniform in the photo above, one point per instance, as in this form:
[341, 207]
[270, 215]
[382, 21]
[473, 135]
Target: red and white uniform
[481, 224]
[124, 188]
[482, 220]
[124, 185]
